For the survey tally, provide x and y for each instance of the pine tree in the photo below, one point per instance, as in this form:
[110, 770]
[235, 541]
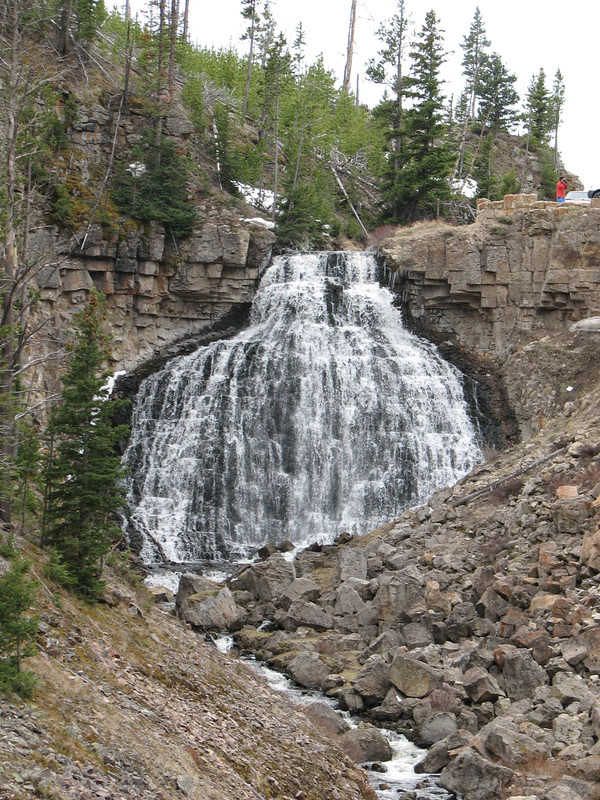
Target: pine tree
[426, 159]
[17, 628]
[497, 95]
[483, 170]
[558, 101]
[539, 110]
[156, 190]
[250, 12]
[89, 15]
[84, 493]
[474, 45]
[389, 70]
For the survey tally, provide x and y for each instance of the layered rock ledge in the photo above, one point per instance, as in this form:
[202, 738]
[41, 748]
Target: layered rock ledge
[524, 266]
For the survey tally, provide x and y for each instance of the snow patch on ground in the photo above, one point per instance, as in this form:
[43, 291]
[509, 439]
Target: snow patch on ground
[260, 198]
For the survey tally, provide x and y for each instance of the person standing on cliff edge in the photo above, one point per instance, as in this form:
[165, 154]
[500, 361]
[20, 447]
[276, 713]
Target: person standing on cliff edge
[561, 188]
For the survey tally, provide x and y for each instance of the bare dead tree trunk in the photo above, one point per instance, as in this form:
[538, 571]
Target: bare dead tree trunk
[276, 180]
[9, 260]
[173, 42]
[111, 160]
[526, 156]
[350, 50]
[248, 76]
[476, 153]
[65, 26]
[186, 19]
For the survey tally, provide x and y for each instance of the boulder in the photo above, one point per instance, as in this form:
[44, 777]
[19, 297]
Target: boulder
[569, 688]
[568, 729]
[190, 584]
[436, 727]
[365, 743]
[436, 759]
[459, 624]
[350, 700]
[162, 594]
[569, 788]
[438, 755]
[308, 670]
[325, 718]
[269, 579]
[482, 578]
[308, 615]
[587, 768]
[347, 601]
[210, 612]
[372, 682]
[522, 675]
[352, 563]
[299, 589]
[390, 709]
[416, 635]
[400, 594]
[491, 605]
[590, 551]
[266, 551]
[388, 642]
[474, 777]
[412, 677]
[481, 686]
[504, 740]
[570, 516]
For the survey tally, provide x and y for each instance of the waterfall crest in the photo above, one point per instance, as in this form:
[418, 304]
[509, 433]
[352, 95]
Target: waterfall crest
[325, 415]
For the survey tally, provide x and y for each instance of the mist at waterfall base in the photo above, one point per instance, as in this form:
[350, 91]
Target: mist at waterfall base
[324, 415]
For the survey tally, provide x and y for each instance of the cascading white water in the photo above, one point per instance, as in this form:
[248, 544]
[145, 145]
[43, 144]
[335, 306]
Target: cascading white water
[325, 415]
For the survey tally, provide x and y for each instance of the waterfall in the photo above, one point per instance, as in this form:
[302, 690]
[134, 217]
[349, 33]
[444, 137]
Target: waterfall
[325, 415]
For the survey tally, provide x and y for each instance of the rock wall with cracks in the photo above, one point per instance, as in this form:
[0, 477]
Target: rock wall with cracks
[158, 290]
[524, 266]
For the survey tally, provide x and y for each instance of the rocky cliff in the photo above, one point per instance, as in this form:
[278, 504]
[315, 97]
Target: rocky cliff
[523, 267]
[158, 291]
[524, 271]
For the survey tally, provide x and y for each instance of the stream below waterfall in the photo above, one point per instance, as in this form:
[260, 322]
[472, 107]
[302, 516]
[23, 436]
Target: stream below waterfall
[399, 778]
[325, 415]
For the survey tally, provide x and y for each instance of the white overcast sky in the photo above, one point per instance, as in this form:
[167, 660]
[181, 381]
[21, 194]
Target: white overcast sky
[528, 35]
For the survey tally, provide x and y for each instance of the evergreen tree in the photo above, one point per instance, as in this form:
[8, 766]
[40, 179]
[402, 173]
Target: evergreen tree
[558, 101]
[78, 21]
[549, 176]
[474, 45]
[497, 95]
[250, 12]
[265, 35]
[151, 185]
[426, 159]
[389, 70]
[17, 627]
[483, 170]
[539, 110]
[83, 477]
[90, 14]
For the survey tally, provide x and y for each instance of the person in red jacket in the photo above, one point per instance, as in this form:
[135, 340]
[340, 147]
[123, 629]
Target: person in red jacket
[561, 188]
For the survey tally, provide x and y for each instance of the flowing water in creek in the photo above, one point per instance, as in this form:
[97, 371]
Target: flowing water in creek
[325, 415]
[399, 779]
